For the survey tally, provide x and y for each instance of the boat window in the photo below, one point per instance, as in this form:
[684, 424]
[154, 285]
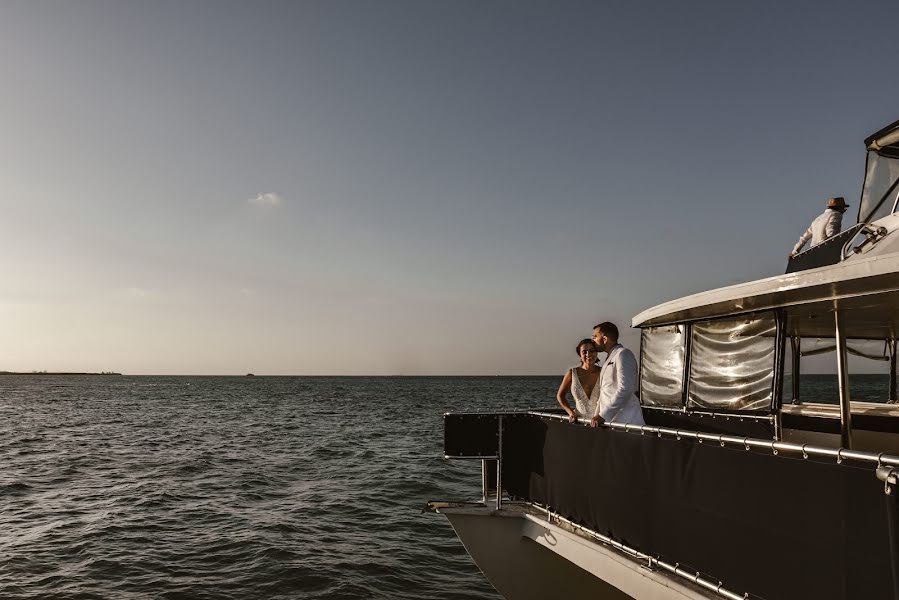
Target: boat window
[662, 366]
[868, 366]
[732, 363]
[880, 189]
[869, 371]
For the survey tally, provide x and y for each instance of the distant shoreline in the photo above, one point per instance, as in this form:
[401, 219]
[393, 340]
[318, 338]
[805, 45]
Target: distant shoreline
[56, 373]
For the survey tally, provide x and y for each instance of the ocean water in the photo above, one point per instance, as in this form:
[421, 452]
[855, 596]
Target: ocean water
[248, 487]
[237, 487]
[825, 388]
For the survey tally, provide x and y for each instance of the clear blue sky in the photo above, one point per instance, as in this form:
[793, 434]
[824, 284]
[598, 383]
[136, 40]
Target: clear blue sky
[388, 187]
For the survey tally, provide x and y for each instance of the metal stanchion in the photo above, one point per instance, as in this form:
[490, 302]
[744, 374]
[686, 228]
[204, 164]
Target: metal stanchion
[843, 376]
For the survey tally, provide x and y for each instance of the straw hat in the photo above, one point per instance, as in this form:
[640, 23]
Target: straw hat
[838, 202]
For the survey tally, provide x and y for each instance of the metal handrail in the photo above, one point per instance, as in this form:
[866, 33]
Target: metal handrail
[488, 412]
[872, 233]
[806, 450]
[849, 349]
[705, 413]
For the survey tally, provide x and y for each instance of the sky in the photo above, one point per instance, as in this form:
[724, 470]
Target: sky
[408, 187]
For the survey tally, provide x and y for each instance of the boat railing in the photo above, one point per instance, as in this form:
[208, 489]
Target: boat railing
[526, 456]
[484, 442]
[775, 447]
[872, 234]
[494, 449]
[652, 562]
[486, 445]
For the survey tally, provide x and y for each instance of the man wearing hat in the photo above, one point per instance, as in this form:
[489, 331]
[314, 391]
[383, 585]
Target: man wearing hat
[825, 225]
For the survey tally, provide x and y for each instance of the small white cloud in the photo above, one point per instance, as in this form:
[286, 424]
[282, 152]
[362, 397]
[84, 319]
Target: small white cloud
[247, 292]
[139, 294]
[270, 199]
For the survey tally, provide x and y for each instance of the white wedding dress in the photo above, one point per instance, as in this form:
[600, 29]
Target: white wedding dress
[584, 406]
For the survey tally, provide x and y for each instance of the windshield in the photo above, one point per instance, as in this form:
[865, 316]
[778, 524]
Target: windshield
[880, 190]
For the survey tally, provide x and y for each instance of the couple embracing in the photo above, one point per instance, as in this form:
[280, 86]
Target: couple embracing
[607, 394]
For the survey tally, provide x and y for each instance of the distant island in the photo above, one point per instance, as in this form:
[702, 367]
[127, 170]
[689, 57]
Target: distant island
[56, 373]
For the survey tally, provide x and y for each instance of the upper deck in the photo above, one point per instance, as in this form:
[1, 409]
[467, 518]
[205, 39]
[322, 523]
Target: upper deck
[863, 260]
[731, 351]
[874, 272]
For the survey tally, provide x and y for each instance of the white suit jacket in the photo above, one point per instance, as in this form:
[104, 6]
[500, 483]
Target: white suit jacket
[825, 225]
[618, 401]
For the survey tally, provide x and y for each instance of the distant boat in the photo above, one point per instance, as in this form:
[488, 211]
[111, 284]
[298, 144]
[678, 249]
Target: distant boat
[251, 375]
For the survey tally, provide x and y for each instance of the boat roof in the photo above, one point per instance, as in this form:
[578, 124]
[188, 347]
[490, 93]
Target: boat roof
[886, 141]
[850, 279]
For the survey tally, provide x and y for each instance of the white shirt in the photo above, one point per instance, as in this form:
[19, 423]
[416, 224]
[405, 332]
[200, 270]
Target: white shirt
[618, 383]
[825, 225]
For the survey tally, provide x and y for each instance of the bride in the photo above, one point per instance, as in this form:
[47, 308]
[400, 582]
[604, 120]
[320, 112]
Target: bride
[582, 382]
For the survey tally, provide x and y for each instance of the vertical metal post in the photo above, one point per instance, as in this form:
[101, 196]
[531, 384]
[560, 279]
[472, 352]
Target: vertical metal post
[796, 345]
[640, 367]
[843, 377]
[892, 371]
[499, 465]
[780, 351]
[688, 351]
[485, 483]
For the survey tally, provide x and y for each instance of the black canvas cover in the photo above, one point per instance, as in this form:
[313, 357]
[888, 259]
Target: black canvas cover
[467, 435]
[828, 252]
[775, 527]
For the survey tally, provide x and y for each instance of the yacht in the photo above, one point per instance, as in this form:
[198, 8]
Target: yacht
[743, 483]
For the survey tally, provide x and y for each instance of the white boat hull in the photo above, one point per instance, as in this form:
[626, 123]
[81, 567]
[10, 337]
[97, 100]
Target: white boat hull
[526, 557]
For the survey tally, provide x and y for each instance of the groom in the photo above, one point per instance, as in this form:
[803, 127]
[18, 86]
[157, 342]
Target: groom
[618, 401]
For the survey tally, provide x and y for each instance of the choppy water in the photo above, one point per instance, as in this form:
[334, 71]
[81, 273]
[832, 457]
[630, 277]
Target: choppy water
[239, 487]
[216, 487]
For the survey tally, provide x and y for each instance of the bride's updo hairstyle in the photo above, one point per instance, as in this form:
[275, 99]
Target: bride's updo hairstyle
[586, 341]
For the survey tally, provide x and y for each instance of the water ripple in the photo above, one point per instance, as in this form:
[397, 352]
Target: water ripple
[209, 487]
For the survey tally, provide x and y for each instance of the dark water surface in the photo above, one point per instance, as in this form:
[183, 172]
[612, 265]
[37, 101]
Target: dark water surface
[825, 388]
[248, 487]
[237, 487]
